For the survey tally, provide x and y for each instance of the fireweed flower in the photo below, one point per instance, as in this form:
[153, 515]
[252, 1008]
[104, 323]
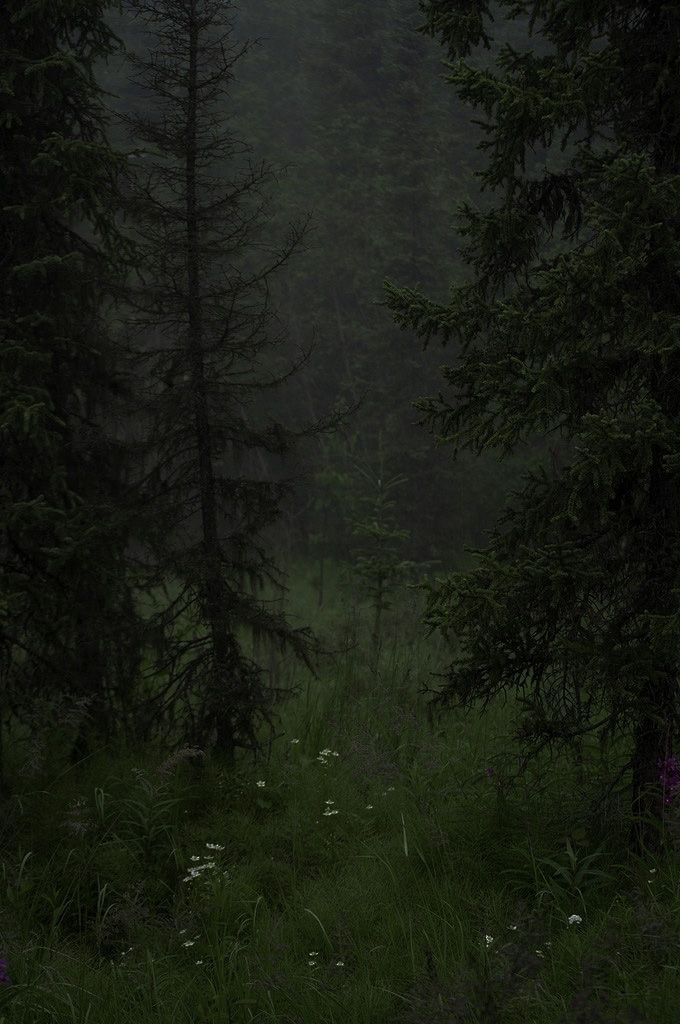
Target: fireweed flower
[669, 777]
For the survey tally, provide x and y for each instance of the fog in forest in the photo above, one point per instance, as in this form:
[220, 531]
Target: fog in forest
[339, 512]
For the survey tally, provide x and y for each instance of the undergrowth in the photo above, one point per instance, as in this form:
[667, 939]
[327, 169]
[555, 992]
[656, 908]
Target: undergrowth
[375, 868]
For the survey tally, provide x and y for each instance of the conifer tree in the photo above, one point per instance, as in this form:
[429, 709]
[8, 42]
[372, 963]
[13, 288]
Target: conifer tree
[199, 207]
[67, 619]
[575, 602]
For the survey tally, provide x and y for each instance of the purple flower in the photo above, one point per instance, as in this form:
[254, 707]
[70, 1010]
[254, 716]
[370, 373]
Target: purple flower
[4, 976]
[669, 777]
[489, 773]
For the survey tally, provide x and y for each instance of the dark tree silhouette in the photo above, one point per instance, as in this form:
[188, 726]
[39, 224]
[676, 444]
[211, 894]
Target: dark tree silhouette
[68, 625]
[199, 211]
[575, 602]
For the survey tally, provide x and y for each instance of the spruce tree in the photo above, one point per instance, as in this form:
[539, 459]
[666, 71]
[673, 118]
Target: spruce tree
[574, 603]
[68, 624]
[202, 307]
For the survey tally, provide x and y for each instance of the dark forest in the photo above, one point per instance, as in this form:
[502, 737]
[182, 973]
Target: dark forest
[339, 512]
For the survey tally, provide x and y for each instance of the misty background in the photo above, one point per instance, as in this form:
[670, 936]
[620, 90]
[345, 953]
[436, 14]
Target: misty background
[349, 105]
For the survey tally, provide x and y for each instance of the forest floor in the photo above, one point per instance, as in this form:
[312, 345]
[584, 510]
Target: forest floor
[371, 868]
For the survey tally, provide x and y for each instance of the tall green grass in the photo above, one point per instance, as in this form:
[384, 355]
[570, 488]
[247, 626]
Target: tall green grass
[368, 871]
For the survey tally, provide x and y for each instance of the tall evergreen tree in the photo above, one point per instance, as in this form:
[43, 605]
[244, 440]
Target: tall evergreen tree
[575, 602]
[199, 209]
[67, 618]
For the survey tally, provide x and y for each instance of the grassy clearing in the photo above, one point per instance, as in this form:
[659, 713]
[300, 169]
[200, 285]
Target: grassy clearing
[369, 871]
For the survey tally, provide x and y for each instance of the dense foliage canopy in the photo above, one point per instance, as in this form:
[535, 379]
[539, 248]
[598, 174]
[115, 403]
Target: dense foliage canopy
[575, 602]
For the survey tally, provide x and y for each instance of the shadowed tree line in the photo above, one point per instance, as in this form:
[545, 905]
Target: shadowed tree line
[153, 402]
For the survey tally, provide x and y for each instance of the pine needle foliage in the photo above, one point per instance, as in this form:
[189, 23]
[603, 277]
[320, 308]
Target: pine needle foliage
[203, 312]
[67, 617]
[574, 604]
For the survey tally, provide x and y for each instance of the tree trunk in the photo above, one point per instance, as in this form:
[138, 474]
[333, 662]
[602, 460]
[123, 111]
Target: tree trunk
[224, 684]
[376, 637]
[92, 685]
[653, 743]
[653, 737]
[578, 743]
[4, 786]
[319, 602]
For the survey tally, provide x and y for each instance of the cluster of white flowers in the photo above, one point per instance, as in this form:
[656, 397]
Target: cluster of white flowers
[207, 865]
[312, 962]
[323, 755]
